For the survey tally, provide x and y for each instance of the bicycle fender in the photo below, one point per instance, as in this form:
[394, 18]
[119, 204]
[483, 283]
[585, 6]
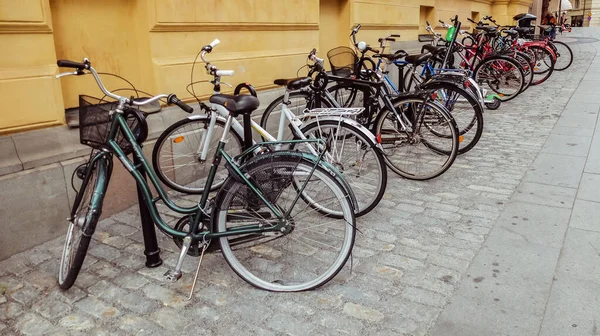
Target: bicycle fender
[362, 129]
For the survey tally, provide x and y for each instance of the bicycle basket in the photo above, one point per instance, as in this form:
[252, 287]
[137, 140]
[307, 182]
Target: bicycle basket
[95, 122]
[343, 61]
[426, 38]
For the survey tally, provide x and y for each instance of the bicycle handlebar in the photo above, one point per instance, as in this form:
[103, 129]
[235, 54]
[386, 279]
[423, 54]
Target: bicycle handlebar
[211, 69]
[87, 65]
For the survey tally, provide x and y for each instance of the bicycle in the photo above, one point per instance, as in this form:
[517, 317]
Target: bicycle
[181, 151]
[254, 218]
[452, 88]
[418, 135]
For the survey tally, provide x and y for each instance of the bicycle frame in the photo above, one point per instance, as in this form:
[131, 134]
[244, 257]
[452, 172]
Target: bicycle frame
[197, 212]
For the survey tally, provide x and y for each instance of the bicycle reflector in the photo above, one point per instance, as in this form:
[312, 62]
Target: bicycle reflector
[178, 139]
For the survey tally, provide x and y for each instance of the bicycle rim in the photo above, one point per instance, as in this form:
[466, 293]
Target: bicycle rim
[417, 152]
[177, 156]
[356, 158]
[314, 246]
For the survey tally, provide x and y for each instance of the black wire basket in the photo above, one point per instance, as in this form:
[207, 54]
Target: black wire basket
[95, 121]
[343, 61]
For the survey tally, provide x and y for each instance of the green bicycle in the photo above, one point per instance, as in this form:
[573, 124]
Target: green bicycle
[283, 220]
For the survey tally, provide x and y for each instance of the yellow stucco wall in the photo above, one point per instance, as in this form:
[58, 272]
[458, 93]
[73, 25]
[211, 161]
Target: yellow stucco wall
[153, 43]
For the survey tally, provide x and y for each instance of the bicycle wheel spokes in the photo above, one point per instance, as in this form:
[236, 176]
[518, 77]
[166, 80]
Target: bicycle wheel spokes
[425, 151]
[564, 56]
[352, 154]
[310, 248]
[180, 158]
[503, 78]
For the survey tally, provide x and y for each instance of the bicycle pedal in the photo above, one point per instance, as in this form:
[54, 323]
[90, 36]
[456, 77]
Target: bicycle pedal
[172, 276]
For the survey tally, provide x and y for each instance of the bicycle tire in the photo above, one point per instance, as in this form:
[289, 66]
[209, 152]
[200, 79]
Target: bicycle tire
[470, 123]
[526, 64]
[189, 177]
[389, 151]
[516, 75]
[271, 125]
[90, 196]
[542, 57]
[562, 55]
[234, 196]
[354, 175]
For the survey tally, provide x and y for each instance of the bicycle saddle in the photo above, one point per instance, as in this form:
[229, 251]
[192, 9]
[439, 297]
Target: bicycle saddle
[432, 49]
[511, 32]
[392, 57]
[293, 83]
[487, 29]
[418, 59]
[236, 104]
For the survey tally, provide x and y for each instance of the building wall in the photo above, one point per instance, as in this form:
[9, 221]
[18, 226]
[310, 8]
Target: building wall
[153, 43]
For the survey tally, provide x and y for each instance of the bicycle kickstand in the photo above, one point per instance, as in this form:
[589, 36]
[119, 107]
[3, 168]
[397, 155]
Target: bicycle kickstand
[174, 275]
[204, 246]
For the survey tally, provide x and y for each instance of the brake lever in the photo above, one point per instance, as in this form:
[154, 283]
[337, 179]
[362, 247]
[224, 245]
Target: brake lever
[76, 73]
[231, 86]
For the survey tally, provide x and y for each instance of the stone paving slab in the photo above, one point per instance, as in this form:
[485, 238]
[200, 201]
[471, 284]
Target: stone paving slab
[415, 261]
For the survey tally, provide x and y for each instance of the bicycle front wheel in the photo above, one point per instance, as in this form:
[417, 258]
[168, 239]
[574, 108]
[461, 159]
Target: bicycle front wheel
[464, 108]
[310, 249]
[423, 143]
[564, 55]
[85, 213]
[544, 62]
[179, 156]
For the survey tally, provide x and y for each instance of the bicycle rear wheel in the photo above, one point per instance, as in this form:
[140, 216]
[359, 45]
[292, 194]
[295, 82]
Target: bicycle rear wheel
[299, 101]
[311, 249]
[356, 157]
[422, 146]
[502, 75]
[177, 154]
[85, 213]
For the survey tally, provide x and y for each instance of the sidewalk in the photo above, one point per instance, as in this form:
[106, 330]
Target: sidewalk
[507, 242]
[538, 272]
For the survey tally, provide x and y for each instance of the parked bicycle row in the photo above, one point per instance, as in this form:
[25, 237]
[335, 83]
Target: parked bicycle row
[285, 209]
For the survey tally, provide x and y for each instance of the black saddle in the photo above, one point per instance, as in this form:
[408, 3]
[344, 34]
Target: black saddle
[418, 59]
[236, 104]
[294, 83]
[487, 29]
[432, 49]
[511, 32]
[392, 57]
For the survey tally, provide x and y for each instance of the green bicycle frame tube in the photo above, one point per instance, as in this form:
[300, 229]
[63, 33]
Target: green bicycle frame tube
[195, 211]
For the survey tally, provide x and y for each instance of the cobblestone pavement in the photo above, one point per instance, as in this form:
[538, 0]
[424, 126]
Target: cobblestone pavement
[409, 257]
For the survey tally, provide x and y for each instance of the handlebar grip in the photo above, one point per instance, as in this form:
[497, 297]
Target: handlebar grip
[395, 35]
[442, 22]
[223, 73]
[71, 64]
[390, 39]
[427, 23]
[172, 99]
[215, 43]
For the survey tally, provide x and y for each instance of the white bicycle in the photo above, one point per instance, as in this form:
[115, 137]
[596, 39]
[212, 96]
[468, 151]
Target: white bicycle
[181, 151]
